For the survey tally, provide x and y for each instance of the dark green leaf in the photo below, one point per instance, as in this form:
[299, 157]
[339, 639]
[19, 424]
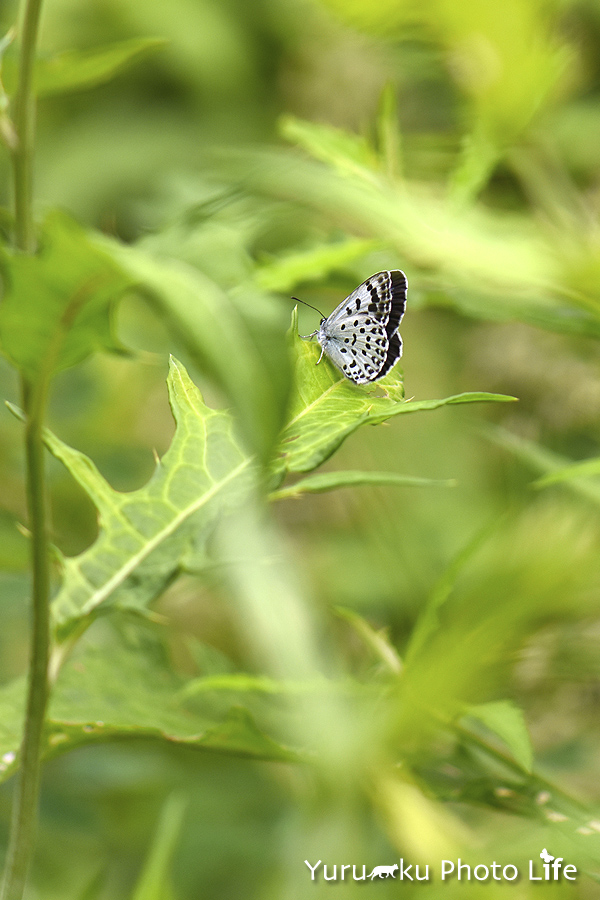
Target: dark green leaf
[109, 691]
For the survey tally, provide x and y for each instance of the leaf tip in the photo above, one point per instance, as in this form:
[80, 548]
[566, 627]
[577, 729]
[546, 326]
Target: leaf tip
[294, 322]
[15, 410]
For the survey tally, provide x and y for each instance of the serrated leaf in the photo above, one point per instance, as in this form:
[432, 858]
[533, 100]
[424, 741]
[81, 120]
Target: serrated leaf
[76, 70]
[118, 689]
[57, 304]
[326, 408]
[144, 535]
[505, 719]
[331, 481]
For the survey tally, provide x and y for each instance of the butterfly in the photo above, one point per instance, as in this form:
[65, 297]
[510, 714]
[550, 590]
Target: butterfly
[360, 337]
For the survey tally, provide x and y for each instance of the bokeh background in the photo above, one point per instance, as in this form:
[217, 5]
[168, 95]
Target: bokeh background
[485, 119]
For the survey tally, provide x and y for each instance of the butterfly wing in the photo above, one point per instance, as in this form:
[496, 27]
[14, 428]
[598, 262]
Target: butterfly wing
[361, 335]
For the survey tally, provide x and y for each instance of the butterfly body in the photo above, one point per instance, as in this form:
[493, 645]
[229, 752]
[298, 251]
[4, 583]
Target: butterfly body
[360, 337]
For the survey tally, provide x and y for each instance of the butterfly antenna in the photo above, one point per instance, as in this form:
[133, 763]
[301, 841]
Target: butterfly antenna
[298, 300]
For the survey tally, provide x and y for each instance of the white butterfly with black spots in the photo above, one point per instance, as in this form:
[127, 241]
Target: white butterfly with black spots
[360, 337]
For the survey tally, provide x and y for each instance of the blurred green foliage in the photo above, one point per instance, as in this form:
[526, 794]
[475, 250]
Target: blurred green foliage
[415, 645]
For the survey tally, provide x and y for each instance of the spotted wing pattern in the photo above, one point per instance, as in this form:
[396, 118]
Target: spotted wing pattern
[360, 337]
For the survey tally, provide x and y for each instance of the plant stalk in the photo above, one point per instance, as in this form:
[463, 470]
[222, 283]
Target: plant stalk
[24, 122]
[26, 799]
[25, 809]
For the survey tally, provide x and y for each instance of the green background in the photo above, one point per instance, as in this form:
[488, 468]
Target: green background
[483, 120]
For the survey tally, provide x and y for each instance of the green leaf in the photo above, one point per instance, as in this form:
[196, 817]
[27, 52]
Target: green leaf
[76, 70]
[506, 721]
[56, 310]
[238, 682]
[428, 621]
[538, 310]
[347, 152]
[326, 407]
[389, 141]
[484, 776]
[546, 461]
[331, 481]
[283, 272]
[115, 688]
[377, 641]
[216, 328]
[499, 269]
[144, 535]
[154, 881]
[587, 468]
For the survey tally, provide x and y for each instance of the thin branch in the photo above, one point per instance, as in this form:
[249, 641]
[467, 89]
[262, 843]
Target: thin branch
[25, 810]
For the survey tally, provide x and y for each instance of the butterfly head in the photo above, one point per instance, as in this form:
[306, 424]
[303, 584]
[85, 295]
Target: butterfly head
[297, 299]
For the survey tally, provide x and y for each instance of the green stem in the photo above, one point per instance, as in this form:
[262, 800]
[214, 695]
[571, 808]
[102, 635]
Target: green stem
[24, 819]
[25, 809]
[24, 122]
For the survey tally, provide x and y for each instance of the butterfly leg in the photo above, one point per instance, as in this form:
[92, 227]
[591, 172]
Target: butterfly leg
[321, 356]
[305, 336]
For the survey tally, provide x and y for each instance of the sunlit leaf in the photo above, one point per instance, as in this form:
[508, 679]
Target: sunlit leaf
[144, 535]
[326, 408]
